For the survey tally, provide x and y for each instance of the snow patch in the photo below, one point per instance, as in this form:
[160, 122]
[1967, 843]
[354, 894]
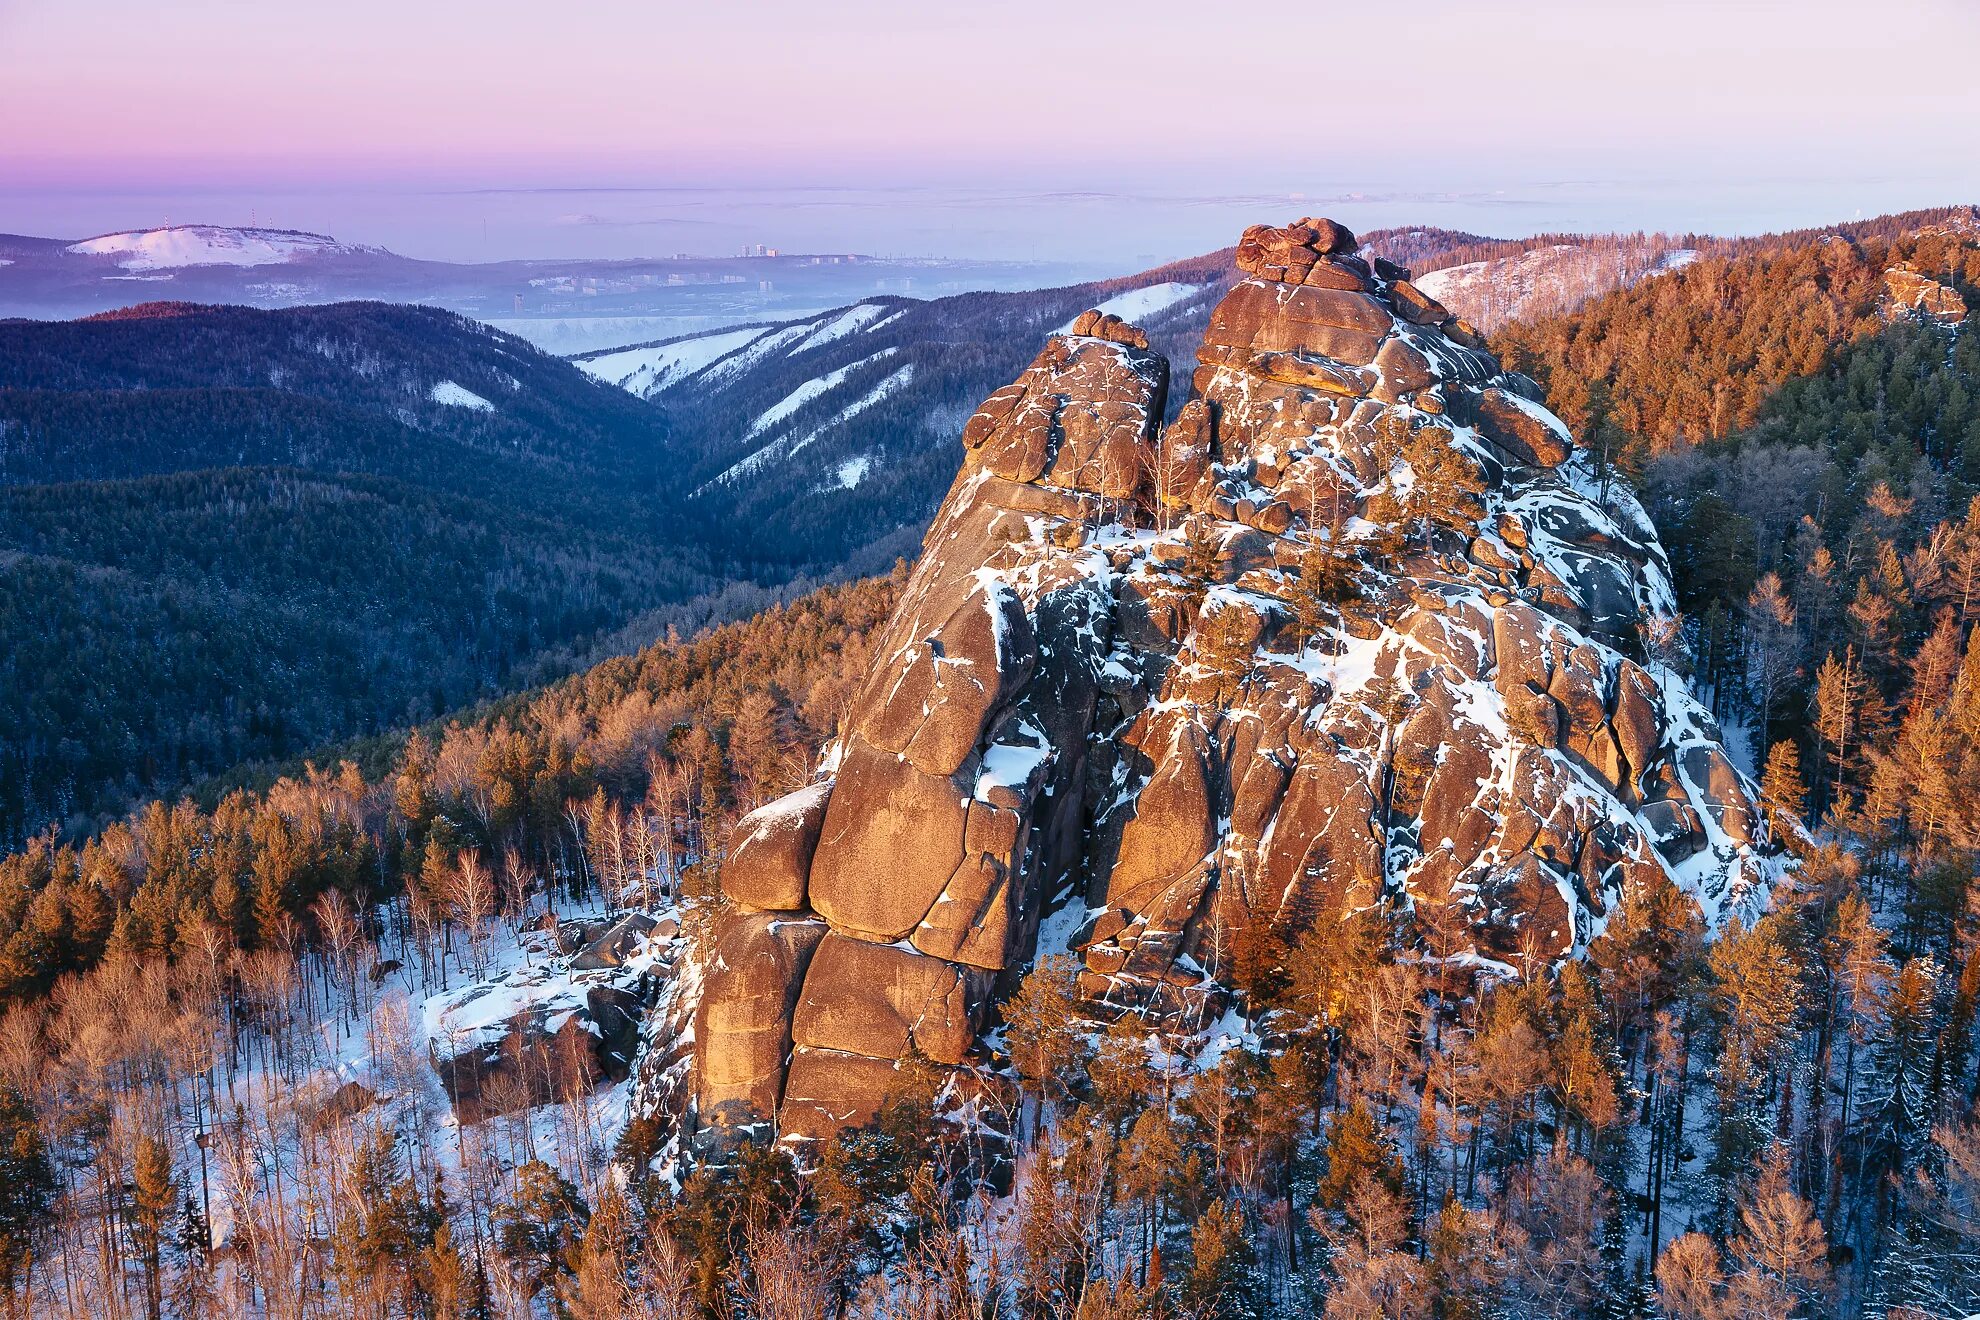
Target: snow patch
[458, 396]
[850, 321]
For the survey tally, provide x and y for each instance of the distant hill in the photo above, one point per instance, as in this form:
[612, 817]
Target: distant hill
[553, 301]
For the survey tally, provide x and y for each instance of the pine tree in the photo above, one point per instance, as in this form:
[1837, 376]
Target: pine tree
[1223, 644]
[542, 1223]
[1219, 1285]
[1044, 1029]
[154, 1194]
[443, 1275]
[27, 1189]
[1445, 487]
[1780, 1243]
[1783, 794]
[1773, 649]
[1356, 1150]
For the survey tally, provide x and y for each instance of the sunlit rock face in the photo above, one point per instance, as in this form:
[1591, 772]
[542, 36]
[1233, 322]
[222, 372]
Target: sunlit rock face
[1359, 626]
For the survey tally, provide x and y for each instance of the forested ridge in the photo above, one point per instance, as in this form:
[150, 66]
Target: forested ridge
[231, 535]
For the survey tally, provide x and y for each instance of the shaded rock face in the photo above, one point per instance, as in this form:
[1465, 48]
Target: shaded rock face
[1093, 701]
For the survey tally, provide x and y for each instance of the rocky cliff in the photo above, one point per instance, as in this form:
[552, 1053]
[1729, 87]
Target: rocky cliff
[1360, 626]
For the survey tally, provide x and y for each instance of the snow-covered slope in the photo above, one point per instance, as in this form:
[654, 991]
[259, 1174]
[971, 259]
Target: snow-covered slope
[1143, 304]
[655, 369]
[1546, 280]
[456, 395]
[848, 416]
[211, 245]
[725, 355]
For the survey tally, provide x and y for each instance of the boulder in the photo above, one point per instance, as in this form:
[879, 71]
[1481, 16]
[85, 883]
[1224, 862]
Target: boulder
[538, 1061]
[742, 1024]
[1173, 827]
[1084, 406]
[613, 945]
[830, 1091]
[1637, 717]
[770, 851]
[892, 838]
[887, 1002]
[1524, 430]
[931, 701]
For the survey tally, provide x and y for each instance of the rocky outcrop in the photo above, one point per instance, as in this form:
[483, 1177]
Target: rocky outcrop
[1907, 290]
[1357, 627]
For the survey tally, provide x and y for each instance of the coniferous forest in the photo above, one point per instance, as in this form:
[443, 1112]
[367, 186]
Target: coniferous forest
[310, 1038]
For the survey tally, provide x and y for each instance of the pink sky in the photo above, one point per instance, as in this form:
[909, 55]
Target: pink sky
[119, 93]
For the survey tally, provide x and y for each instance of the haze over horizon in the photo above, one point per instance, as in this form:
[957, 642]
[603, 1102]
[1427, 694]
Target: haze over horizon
[477, 132]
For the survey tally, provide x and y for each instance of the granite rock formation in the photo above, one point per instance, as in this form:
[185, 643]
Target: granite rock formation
[1358, 626]
[1908, 290]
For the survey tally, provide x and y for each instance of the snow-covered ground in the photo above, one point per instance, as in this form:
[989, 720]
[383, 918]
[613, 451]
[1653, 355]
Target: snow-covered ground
[854, 319]
[209, 245]
[1544, 280]
[571, 335]
[389, 1058]
[713, 355]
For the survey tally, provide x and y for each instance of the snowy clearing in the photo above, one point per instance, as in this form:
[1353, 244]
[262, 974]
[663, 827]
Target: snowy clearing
[459, 396]
[850, 321]
[808, 391]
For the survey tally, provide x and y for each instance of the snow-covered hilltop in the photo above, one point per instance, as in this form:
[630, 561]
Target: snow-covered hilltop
[181, 246]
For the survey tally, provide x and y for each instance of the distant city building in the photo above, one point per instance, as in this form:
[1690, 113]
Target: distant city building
[763, 286]
[519, 304]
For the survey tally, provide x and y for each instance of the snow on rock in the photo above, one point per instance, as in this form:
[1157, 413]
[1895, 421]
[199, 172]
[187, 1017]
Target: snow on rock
[459, 396]
[211, 245]
[1090, 725]
[548, 1012]
[1143, 303]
